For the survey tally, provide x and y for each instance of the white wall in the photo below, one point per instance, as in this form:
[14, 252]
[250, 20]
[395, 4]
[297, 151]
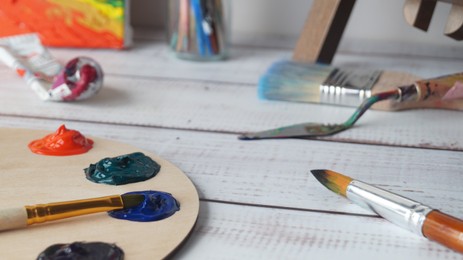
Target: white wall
[376, 22]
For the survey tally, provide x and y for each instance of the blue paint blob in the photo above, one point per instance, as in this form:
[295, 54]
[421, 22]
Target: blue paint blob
[124, 169]
[156, 206]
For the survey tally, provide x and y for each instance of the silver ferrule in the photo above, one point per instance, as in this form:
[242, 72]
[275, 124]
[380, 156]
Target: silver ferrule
[408, 93]
[348, 86]
[399, 210]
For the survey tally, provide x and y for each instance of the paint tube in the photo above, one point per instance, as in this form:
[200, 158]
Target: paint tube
[81, 78]
[25, 55]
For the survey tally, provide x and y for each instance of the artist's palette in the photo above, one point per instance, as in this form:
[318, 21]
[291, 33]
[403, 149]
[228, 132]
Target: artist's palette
[27, 178]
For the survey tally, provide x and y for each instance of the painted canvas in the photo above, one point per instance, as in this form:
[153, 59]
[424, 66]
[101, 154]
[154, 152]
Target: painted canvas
[69, 23]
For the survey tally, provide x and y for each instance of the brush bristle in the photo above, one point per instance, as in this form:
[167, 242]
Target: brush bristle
[132, 200]
[292, 81]
[334, 181]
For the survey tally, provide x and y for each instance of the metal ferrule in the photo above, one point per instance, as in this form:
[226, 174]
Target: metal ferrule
[408, 93]
[401, 211]
[348, 86]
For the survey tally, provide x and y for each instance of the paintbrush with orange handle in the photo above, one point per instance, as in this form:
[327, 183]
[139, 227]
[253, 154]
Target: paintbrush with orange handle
[406, 213]
[21, 217]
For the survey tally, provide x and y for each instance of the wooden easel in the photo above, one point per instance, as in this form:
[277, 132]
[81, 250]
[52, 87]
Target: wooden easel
[418, 13]
[327, 19]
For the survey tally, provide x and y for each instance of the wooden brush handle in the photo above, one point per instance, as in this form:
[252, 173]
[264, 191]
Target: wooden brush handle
[444, 229]
[13, 218]
[430, 95]
[433, 90]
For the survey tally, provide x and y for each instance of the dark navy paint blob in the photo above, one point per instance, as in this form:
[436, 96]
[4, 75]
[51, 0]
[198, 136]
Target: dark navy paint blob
[82, 251]
[129, 168]
[156, 206]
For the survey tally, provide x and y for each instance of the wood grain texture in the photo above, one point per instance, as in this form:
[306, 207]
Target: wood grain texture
[231, 108]
[240, 232]
[35, 179]
[259, 200]
[237, 231]
[277, 174]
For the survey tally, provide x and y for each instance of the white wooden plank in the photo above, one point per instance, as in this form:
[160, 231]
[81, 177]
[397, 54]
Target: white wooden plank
[153, 58]
[276, 173]
[209, 106]
[240, 232]
[148, 87]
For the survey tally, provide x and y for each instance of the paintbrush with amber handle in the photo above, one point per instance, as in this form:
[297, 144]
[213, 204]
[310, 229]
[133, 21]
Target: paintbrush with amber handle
[406, 213]
[21, 217]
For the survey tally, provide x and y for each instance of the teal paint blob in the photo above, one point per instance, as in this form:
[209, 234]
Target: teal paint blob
[157, 205]
[123, 169]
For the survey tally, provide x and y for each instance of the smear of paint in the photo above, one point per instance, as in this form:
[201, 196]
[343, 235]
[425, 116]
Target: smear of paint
[63, 142]
[82, 251]
[156, 206]
[455, 92]
[128, 168]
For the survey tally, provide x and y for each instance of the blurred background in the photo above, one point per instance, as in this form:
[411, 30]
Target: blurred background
[375, 26]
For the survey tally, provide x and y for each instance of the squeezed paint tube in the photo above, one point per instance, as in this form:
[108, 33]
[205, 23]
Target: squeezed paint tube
[81, 78]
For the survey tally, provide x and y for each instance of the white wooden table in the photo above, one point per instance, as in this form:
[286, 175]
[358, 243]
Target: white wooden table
[258, 198]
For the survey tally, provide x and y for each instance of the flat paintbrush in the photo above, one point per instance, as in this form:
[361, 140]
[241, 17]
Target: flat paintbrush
[21, 217]
[317, 83]
[406, 213]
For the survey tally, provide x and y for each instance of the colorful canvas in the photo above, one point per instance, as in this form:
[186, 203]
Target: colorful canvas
[68, 23]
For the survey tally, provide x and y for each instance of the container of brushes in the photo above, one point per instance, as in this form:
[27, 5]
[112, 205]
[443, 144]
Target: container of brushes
[198, 29]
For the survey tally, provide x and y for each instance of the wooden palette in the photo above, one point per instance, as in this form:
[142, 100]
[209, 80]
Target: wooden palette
[27, 178]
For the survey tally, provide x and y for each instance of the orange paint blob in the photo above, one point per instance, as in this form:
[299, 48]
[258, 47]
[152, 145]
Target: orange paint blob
[63, 142]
